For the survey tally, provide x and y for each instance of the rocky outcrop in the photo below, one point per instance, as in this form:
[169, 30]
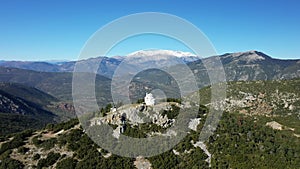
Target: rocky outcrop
[66, 107]
[274, 125]
[138, 114]
[142, 163]
[9, 105]
[244, 98]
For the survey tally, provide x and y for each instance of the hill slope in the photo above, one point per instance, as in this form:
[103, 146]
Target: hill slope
[247, 66]
[56, 84]
[241, 140]
[18, 114]
[28, 93]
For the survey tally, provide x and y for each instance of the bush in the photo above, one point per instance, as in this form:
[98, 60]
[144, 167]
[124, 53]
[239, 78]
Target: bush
[62, 126]
[48, 144]
[9, 163]
[5, 155]
[23, 150]
[16, 142]
[50, 160]
[139, 101]
[36, 157]
[174, 100]
[68, 163]
[173, 113]
[35, 140]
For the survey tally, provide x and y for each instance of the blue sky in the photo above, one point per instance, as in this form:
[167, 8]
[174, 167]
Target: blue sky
[57, 29]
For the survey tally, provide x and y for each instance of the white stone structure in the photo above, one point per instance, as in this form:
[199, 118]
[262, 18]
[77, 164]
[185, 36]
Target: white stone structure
[113, 109]
[149, 99]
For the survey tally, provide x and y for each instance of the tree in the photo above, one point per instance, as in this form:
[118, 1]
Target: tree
[50, 160]
[9, 163]
[68, 163]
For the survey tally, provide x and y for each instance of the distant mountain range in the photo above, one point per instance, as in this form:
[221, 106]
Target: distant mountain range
[249, 65]
[56, 79]
[258, 129]
[243, 66]
[107, 64]
[37, 88]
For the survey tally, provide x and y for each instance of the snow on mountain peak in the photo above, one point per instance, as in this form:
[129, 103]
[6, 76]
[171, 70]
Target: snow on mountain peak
[161, 53]
[248, 56]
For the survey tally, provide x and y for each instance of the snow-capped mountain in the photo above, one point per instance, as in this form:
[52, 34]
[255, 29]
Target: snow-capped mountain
[249, 65]
[161, 52]
[247, 57]
[164, 55]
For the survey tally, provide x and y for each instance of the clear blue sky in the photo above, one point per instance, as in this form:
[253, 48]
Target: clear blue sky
[57, 29]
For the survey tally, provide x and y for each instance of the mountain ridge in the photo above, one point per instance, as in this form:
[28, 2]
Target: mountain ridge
[23, 108]
[67, 66]
[243, 66]
[108, 65]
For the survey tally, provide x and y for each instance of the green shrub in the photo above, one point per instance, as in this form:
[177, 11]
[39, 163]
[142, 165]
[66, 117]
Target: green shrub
[35, 140]
[5, 155]
[17, 141]
[174, 100]
[68, 163]
[22, 150]
[171, 114]
[50, 160]
[62, 126]
[9, 163]
[48, 144]
[36, 157]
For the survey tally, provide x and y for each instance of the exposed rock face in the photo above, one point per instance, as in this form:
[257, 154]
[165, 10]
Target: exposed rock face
[134, 115]
[245, 98]
[66, 107]
[142, 163]
[277, 126]
[247, 66]
[14, 105]
[176, 152]
[274, 125]
[116, 132]
[137, 114]
[194, 123]
[8, 105]
[204, 148]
